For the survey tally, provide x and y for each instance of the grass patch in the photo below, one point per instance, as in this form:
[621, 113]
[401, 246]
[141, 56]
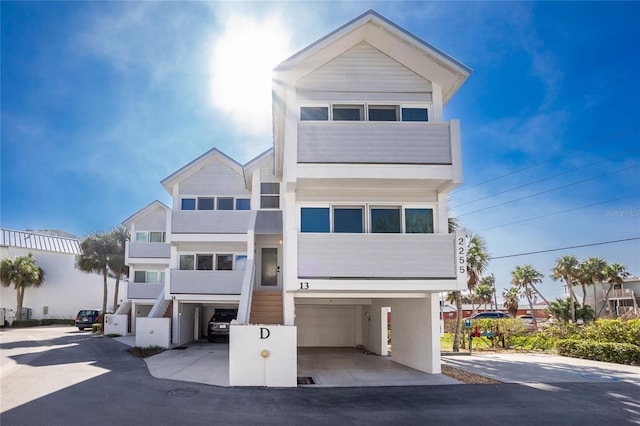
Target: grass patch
[145, 352]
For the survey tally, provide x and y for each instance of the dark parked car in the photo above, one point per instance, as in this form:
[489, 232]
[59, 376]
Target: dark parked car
[87, 317]
[491, 315]
[220, 322]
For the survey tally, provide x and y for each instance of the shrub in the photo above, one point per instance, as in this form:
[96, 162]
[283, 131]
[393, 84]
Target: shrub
[145, 352]
[96, 328]
[621, 353]
[617, 331]
[52, 321]
[25, 323]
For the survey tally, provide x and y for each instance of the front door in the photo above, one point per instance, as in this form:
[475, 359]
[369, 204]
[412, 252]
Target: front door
[269, 269]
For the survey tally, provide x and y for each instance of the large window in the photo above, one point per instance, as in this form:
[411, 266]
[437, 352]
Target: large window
[149, 277]
[204, 262]
[348, 112]
[205, 203]
[270, 195]
[188, 204]
[224, 262]
[418, 221]
[225, 203]
[243, 204]
[383, 113]
[385, 219]
[314, 113]
[348, 220]
[415, 114]
[314, 219]
[215, 203]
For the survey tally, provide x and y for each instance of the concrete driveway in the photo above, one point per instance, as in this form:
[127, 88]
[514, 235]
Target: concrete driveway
[534, 369]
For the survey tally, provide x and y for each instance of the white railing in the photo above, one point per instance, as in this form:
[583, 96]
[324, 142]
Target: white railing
[246, 296]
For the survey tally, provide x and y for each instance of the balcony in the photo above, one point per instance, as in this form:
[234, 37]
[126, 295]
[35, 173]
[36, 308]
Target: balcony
[210, 222]
[149, 250]
[143, 290]
[206, 282]
[377, 142]
[377, 256]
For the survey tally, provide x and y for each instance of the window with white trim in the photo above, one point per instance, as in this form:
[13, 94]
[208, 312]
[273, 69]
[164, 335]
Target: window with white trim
[148, 277]
[215, 203]
[150, 237]
[374, 112]
[205, 262]
[270, 195]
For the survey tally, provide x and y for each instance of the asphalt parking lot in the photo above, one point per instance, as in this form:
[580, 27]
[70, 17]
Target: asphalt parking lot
[60, 376]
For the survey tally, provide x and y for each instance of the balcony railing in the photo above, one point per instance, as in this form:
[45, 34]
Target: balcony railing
[624, 293]
[206, 282]
[210, 222]
[374, 142]
[143, 290]
[149, 250]
[376, 256]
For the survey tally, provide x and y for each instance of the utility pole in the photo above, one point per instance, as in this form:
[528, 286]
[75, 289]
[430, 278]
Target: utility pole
[495, 296]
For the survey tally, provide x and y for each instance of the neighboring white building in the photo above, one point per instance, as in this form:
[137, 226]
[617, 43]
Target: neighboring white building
[344, 219]
[66, 290]
[622, 300]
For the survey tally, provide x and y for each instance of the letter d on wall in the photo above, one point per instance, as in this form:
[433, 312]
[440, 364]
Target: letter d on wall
[264, 333]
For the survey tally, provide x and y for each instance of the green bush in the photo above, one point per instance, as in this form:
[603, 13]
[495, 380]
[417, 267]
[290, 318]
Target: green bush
[56, 321]
[620, 353]
[616, 331]
[25, 323]
[96, 328]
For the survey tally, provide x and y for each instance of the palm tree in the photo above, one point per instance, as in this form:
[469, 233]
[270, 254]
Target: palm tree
[615, 273]
[22, 272]
[592, 272]
[119, 235]
[511, 300]
[96, 251]
[525, 277]
[477, 261]
[566, 269]
[484, 292]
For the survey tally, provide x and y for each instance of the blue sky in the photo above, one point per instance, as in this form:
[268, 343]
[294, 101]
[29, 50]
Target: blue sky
[102, 100]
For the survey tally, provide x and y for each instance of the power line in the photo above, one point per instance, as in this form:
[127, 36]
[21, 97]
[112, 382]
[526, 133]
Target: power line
[597, 142]
[545, 178]
[564, 248]
[559, 212]
[549, 190]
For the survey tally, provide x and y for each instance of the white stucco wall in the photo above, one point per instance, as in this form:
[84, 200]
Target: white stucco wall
[153, 332]
[263, 356]
[65, 291]
[116, 324]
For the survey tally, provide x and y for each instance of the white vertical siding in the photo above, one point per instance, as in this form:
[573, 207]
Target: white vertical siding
[369, 142]
[417, 256]
[210, 222]
[154, 221]
[364, 68]
[215, 178]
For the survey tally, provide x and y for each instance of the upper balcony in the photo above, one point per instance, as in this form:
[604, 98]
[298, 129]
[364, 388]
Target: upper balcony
[143, 290]
[206, 282]
[377, 256]
[368, 142]
[210, 221]
[146, 250]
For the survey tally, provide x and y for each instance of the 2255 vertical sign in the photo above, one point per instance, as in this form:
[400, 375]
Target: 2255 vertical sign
[461, 254]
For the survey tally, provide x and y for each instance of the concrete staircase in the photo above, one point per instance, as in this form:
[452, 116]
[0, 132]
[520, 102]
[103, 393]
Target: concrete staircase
[266, 307]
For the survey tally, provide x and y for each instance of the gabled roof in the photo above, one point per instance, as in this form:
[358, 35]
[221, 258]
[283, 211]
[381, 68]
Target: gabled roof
[255, 164]
[197, 164]
[143, 212]
[399, 44]
[35, 241]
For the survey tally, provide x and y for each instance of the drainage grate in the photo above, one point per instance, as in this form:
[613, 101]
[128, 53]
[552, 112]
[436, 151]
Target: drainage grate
[306, 380]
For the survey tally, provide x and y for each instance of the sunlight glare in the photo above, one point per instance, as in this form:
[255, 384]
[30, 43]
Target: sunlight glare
[241, 65]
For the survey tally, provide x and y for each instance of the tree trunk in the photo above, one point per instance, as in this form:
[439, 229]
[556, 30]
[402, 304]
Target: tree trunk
[458, 330]
[584, 294]
[115, 294]
[572, 297]
[104, 294]
[595, 298]
[535, 323]
[539, 294]
[606, 301]
[20, 298]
